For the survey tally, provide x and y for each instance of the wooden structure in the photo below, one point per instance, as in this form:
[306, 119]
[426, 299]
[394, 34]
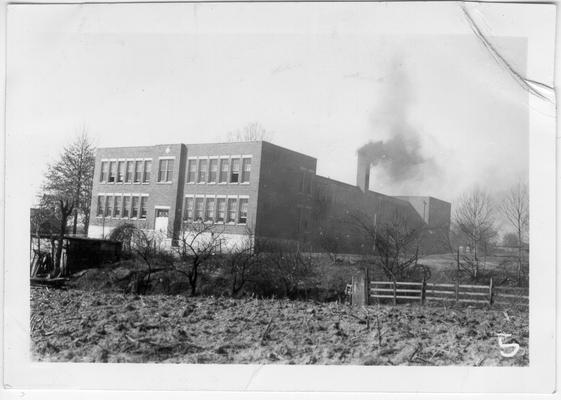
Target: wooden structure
[426, 292]
[78, 253]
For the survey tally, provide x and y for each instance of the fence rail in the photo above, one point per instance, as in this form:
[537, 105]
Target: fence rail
[425, 292]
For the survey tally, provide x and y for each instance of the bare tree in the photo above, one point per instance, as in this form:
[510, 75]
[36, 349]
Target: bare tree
[284, 269]
[43, 221]
[197, 243]
[147, 247]
[253, 131]
[71, 177]
[241, 262]
[62, 206]
[395, 245]
[474, 217]
[515, 209]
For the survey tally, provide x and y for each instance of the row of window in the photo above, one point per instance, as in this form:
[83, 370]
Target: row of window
[228, 210]
[221, 170]
[197, 208]
[203, 170]
[134, 171]
[122, 206]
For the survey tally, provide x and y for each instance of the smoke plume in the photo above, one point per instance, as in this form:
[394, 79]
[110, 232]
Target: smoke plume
[399, 161]
[399, 156]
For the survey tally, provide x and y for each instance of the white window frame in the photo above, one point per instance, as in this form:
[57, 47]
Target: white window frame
[133, 196]
[195, 219]
[227, 220]
[103, 161]
[143, 196]
[241, 170]
[143, 181]
[239, 157]
[119, 161]
[196, 161]
[160, 159]
[228, 163]
[225, 198]
[210, 159]
[136, 161]
[126, 196]
[213, 198]
[242, 197]
[184, 211]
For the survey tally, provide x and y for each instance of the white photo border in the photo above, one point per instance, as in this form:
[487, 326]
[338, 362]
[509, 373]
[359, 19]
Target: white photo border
[539, 377]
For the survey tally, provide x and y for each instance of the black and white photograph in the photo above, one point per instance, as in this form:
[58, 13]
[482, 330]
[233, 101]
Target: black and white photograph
[264, 184]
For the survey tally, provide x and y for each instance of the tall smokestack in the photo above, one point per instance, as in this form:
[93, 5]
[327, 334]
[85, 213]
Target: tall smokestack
[362, 172]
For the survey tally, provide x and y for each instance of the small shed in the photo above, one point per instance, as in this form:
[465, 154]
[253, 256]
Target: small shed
[83, 252]
[78, 252]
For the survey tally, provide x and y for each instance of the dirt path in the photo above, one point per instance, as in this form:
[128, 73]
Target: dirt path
[84, 326]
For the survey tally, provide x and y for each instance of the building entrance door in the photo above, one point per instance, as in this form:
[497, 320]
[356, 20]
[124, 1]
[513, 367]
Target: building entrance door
[162, 218]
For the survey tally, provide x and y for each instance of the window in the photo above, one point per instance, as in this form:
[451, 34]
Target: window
[137, 171]
[134, 212]
[199, 208]
[188, 214]
[147, 171]
[104, 171]
[109, 206]
[242, 218]
[112, 171]
[166, 170]
[126, 206]
[221, 206]
[246, 169]
[202, 170]
[223, 170]
[232, 206]
[100, 205]
[130, 171]
[209, 210]
[120, 171]
[191, 170]
[235, 174]
[143, 209]
[213, 170]
[117, 210]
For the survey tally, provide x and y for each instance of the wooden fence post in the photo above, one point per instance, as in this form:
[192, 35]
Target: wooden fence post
[367, 285]
[394, 293]
[491, 291]
[423, 289]
[457, 291]
[360, 290]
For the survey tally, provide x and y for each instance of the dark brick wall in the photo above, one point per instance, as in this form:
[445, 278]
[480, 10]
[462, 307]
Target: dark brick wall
[280, 195]
[439, 213]
[339, 208]
[436, 214]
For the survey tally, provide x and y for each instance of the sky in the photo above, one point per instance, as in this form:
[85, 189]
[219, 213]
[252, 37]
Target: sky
[323, 79]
